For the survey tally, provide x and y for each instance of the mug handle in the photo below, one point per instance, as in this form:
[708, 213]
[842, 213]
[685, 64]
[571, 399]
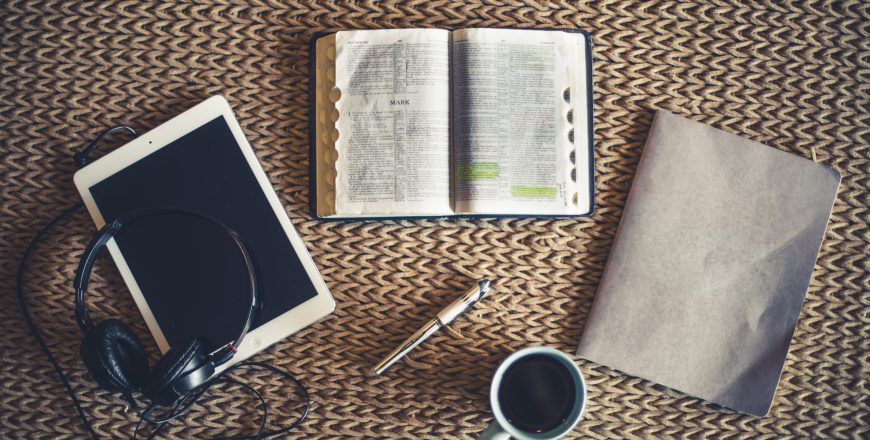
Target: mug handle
[494, 432]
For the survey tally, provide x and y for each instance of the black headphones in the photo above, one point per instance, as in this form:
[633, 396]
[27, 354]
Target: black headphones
[117, 359]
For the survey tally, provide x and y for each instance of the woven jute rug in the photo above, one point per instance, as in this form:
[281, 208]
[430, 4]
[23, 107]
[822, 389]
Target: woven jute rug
[794, 76]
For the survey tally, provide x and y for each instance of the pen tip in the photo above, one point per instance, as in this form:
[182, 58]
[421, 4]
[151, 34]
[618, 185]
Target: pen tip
[484, 285]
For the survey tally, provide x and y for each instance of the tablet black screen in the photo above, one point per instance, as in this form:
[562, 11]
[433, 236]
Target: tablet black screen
[191, 276]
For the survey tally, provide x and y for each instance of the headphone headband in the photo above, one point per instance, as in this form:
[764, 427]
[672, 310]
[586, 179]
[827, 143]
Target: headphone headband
[110, 230]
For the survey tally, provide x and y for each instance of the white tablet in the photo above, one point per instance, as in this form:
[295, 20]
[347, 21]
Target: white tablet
[186, 279]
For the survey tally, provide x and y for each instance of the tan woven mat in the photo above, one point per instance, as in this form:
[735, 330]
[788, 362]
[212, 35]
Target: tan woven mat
[793, 76]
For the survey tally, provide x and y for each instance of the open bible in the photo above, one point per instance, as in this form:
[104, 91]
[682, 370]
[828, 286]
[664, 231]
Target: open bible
[431, 122]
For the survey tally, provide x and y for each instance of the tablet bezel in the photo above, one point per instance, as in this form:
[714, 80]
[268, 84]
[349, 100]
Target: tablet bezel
[264, 335]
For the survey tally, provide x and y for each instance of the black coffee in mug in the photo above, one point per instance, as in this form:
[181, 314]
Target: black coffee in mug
[537, 393]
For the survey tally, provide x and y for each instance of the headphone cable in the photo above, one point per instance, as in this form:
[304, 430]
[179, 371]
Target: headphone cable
[19, 286]
[187, 401]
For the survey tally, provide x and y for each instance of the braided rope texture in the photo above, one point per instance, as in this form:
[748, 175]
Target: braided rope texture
[790, 75]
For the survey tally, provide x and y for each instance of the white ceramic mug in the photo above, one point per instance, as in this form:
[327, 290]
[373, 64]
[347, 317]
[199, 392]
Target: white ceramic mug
[502, 429]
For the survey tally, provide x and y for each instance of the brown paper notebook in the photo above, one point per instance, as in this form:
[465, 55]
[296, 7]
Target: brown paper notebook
[710, 265]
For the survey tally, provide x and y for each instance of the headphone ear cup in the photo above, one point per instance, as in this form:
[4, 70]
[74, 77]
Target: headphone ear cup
[188, 361]
[114, 356]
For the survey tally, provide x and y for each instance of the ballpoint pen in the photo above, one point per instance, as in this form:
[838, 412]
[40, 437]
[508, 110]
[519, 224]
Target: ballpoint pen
[444, 317]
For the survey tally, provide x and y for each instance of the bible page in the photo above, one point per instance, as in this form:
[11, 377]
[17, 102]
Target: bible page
[514, 96]
[393, 141]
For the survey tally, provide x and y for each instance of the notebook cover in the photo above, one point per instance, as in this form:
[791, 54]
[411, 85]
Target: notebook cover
[312, 142]
[710, 265]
